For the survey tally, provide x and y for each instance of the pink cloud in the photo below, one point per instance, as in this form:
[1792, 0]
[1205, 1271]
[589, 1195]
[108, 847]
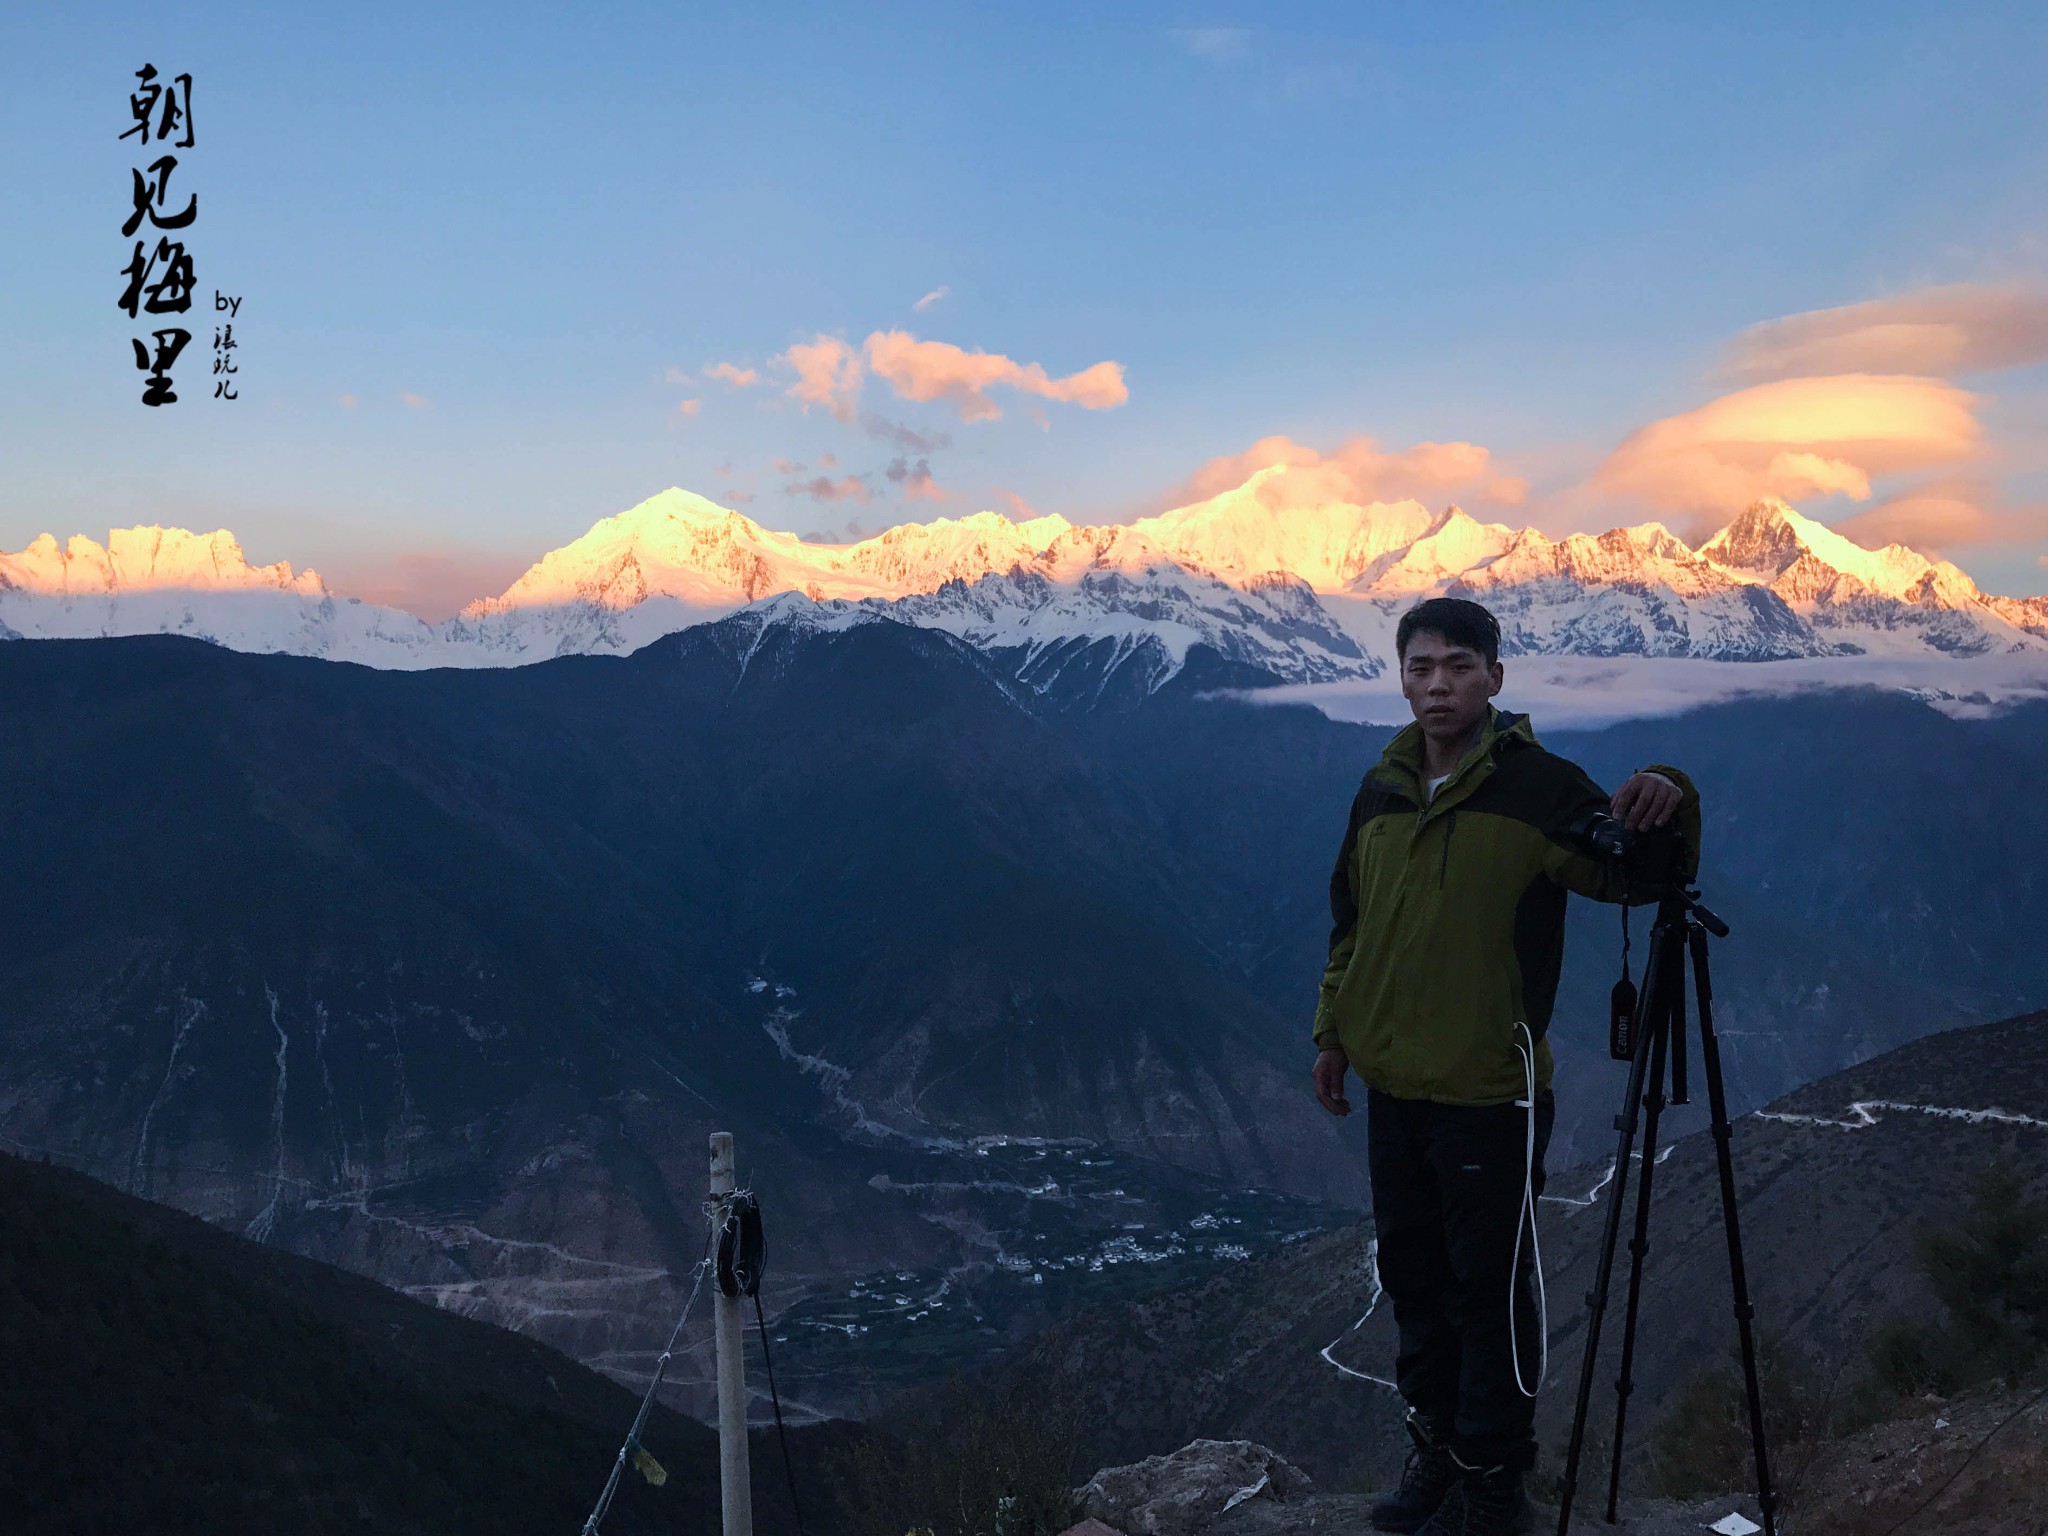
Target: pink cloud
[347, 402]
[1794, 439]
[691, 407]
[1944, 516]
[432, 583]
[737, 377]
[938, 370]
[1358, 471]
[828, 374]
[935, 296]
[1960, 328]
[417, 402]
[1021, 511]
[822, 488]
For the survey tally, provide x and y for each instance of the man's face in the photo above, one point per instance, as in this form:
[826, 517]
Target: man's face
[1447, 685]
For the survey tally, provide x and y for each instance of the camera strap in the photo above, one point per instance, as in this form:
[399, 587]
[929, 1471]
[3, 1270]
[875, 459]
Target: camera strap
[1621, 1007]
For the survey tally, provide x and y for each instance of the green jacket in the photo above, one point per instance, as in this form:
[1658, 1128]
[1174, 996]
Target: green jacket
[1449, 913]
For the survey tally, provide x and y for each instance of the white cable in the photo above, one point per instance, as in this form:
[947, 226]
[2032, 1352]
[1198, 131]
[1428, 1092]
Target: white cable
[1526, 1217]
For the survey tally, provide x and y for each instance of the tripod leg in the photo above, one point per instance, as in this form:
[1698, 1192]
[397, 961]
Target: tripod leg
[1680, 1093]
[1667, 1016]
[1717, 1100]
[1663, 936]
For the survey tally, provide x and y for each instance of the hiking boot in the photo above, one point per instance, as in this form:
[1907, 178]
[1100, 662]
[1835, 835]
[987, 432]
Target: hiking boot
[1486, 1501]
[1429, 1475]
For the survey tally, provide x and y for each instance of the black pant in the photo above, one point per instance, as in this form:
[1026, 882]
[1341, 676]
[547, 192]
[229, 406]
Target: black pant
[1446, 1196]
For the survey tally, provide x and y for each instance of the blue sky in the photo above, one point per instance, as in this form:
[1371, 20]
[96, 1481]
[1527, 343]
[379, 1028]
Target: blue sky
[1532, 231]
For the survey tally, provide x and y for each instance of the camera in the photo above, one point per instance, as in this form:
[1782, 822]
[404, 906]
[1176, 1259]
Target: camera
[1652, 857]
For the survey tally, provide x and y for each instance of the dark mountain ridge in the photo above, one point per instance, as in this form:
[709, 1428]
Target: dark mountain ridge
[445, 975]
[166, 1376]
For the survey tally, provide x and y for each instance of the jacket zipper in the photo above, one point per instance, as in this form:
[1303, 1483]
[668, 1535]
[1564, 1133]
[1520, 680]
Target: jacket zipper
[1450, 825]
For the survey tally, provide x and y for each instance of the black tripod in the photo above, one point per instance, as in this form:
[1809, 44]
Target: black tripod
[1659, 1037]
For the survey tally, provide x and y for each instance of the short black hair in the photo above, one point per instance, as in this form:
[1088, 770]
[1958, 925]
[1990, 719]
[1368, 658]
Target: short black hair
[1459, 620]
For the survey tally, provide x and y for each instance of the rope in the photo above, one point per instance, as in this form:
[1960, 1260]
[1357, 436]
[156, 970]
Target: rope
[632, 1441]
[781, 1434]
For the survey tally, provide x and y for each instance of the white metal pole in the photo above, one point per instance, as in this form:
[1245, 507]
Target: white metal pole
[735, 1488]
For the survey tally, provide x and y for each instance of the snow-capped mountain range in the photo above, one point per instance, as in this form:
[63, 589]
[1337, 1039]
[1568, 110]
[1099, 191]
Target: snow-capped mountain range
[1299, 593]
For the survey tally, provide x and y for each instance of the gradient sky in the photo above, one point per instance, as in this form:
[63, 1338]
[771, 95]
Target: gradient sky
[485, 256]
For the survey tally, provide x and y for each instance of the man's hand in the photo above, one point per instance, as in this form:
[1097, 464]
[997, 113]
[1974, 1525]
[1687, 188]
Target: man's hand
[1329, 1079]
[1646, 800]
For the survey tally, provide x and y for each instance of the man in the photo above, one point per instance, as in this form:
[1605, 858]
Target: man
[1448, 900]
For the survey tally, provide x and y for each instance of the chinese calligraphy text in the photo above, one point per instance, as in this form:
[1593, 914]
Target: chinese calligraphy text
[159, 272]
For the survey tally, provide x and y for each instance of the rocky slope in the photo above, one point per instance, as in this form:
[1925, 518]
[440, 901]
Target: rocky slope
[1295, 1352]
[1975, 1466]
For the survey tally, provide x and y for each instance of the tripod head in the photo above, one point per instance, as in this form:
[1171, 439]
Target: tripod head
[1687, 905]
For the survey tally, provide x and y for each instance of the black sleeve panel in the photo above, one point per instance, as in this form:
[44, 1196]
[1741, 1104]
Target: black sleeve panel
[1563, 792]
[1539, 949]
[1343, 899]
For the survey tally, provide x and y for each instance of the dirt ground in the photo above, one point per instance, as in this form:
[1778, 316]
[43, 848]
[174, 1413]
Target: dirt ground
[1971, 1466]
[1976, 1465]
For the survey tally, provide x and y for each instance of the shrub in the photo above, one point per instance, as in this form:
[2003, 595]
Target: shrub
[1909, 1358]
[991, 1470]
[1990, 1275]
[1703, 1445]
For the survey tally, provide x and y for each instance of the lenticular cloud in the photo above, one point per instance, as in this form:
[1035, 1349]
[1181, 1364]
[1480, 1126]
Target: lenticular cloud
[1960, 328]
[1793, 439]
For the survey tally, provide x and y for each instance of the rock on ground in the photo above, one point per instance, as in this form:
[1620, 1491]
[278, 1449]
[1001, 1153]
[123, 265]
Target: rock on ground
[1189, 1490]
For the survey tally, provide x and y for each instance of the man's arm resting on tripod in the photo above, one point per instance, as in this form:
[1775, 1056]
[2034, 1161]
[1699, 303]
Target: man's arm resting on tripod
[1635, 804]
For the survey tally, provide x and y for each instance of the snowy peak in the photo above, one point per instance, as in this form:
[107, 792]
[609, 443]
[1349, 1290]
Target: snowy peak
[1116, 547]
[151, 580]
[1645, 556]
[680, 546]
[676, 544]
[1300, 592]
[1026, 588]
[1252, 530]
[1456, 543]
[1893, 599]
[922, 557]
[147, 558]
[1769, 539]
